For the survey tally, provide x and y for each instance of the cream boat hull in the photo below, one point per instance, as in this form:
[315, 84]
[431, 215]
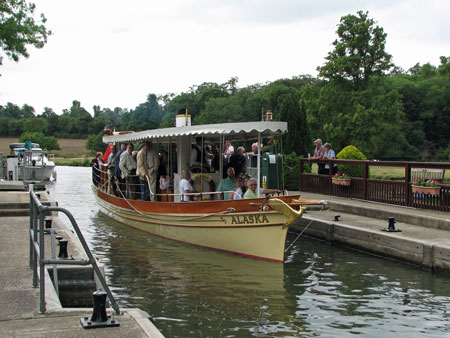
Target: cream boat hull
[253, 234]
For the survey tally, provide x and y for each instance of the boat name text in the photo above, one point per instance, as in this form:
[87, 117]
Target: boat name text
[251, 219]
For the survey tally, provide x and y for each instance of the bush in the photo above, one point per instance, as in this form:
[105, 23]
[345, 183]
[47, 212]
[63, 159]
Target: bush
[351, 153]
[291, 170]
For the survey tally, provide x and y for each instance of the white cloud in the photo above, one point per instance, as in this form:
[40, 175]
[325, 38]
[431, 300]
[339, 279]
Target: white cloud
[114, 53]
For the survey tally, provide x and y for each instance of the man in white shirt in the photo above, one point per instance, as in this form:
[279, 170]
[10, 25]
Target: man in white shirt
[185, 186]
[128, 166]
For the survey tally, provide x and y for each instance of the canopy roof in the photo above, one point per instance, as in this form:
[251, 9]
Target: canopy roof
[232, 130]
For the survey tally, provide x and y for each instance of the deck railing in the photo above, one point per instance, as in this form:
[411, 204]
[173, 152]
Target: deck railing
[396, 191]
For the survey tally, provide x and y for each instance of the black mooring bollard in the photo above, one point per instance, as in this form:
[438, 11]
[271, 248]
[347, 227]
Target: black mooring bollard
[336, 217]
[48, 222]
[63, 249]
[99, 317]
[391, 226]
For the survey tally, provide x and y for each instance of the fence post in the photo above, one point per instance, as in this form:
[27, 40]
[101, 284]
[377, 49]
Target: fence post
[365, 179]
[407, 180]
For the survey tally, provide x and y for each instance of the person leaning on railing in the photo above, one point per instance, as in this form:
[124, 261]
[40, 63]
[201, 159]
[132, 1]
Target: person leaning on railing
[95, 164]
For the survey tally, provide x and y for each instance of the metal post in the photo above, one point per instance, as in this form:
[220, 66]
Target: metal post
[34, 240]
[41, 257]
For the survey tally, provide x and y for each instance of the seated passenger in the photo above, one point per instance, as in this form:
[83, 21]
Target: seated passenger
[238, 190]
[252, 191]
[226, 184]
[185, 186]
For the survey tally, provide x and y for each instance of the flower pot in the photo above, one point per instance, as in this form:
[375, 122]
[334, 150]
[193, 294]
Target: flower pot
[426, 190]
[338, 181]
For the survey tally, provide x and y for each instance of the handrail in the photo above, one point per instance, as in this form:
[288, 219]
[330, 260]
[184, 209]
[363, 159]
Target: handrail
[37, 251]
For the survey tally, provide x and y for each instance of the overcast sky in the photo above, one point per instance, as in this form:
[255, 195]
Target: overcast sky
[114, 53]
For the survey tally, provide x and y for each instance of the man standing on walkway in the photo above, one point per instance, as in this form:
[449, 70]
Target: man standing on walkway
[318, 154]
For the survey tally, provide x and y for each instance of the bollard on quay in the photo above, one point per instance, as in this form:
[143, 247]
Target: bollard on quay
[99, 317]
[391, 226]
[63, 249]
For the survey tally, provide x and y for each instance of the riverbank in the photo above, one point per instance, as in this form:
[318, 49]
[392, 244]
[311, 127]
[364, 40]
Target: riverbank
[20, 314]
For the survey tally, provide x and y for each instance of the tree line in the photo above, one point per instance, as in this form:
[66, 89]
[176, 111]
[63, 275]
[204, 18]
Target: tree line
[359, 98]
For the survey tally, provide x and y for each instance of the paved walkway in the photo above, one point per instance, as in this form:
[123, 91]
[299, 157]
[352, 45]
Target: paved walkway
[19, 301]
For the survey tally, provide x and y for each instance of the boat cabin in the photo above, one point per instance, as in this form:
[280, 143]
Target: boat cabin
[181, 141]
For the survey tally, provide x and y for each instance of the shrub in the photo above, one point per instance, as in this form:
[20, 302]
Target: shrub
[291, 170]
[351, 153]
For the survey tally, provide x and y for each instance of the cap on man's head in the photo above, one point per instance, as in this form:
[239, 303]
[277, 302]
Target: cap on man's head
[318, 141]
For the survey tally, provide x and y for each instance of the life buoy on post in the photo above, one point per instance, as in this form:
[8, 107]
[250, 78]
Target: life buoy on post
[203, 177]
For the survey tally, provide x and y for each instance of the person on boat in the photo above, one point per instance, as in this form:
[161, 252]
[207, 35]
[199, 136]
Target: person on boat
[227, 184]
[95, 164]
[253, 192]
[253, 155]
[120, 182]
[229, 149]
[128, 166]
[142, 171]
[185, 186]
[198, 154]
[153, 165]
[28, 144]
[238, 162]
[110, 164]
[238, 189]
[330, 155]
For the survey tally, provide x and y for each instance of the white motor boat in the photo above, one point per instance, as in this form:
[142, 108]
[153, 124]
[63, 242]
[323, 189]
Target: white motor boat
[33, 165]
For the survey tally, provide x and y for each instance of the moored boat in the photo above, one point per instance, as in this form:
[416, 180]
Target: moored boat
[29, 165]
[254, 227]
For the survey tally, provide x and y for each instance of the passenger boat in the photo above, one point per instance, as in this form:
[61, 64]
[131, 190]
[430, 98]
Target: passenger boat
[254, 228]
[33, 165]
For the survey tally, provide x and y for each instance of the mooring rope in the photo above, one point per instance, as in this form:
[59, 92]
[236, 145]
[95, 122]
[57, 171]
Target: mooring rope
[301, 233]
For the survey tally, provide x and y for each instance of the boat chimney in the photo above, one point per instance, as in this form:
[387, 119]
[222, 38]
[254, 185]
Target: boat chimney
[183, 119]
[269, 116]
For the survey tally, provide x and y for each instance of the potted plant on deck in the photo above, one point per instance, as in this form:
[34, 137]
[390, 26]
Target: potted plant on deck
[426, 187]
[340, 179]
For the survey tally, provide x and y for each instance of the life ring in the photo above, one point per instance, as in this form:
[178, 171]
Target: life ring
[204, 177]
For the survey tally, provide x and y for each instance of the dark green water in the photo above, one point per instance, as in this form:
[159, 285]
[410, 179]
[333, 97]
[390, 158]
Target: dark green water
[321, 290]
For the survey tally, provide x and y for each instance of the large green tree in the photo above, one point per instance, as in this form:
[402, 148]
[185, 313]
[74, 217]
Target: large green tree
[359, 51]
[19, 29]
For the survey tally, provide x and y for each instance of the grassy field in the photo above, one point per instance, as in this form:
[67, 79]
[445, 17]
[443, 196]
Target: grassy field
[73, 151]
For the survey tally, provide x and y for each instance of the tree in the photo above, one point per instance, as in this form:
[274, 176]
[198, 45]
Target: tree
[48, 143]
[94, 143]
[18, 29]
[359, 52]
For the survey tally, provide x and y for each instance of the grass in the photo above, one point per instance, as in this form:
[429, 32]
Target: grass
[389, 173]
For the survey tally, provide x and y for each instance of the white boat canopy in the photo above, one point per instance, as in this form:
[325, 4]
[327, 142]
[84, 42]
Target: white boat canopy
[249, 129]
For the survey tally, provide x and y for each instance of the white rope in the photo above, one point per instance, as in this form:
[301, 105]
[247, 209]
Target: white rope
[299, 236]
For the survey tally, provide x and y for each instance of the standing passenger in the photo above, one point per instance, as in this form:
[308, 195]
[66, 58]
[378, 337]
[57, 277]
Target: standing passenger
[142, 170]
[127, 166]
[153, 164]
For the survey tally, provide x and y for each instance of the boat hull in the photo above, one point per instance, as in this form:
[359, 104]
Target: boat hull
[251, 233]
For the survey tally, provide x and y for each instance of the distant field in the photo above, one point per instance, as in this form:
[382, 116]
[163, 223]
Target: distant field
[73, 148]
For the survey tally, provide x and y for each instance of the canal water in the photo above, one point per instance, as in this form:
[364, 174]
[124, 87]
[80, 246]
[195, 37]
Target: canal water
[320, 291]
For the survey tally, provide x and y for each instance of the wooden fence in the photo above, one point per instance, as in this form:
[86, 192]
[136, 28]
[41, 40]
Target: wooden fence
[396, 191]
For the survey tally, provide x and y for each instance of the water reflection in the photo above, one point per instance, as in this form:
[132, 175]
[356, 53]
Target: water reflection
[321, 290]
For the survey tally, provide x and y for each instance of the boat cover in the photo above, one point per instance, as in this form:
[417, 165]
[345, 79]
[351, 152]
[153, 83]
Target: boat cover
[249, 129]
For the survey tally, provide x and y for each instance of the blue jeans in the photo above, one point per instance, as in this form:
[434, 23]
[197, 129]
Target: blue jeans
[145, 192]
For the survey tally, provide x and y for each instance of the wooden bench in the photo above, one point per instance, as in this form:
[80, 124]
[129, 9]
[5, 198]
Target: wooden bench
[427, 174]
